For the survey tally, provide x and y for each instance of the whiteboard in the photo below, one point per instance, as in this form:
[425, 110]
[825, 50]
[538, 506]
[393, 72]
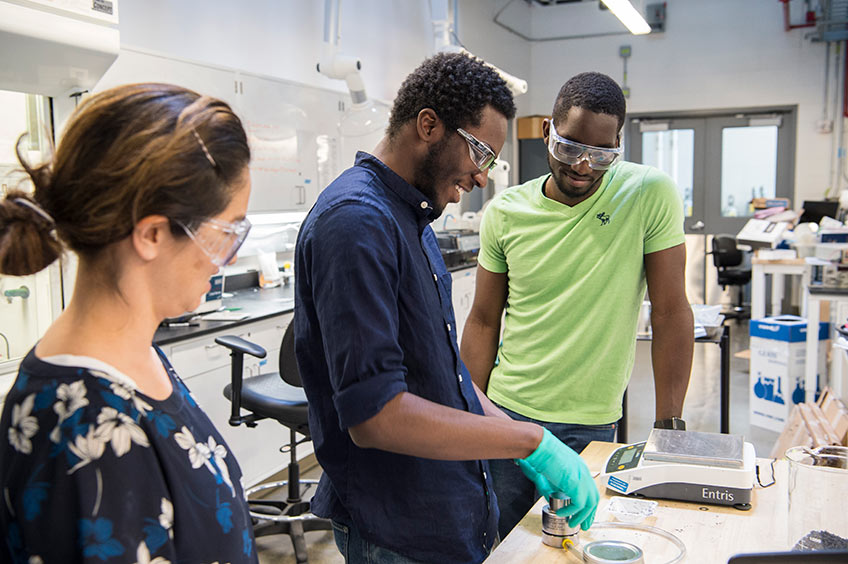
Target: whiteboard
[293, 128]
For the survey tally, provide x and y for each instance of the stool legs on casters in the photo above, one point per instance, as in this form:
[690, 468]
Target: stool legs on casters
[290, 517]
[277, 396]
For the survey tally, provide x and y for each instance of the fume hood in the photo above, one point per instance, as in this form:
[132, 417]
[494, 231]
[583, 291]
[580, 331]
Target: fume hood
[56, 48]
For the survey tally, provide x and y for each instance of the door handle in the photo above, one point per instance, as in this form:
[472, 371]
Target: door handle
[697, 226]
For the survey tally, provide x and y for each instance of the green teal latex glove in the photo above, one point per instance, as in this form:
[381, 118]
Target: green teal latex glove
[545, 489]
[543, 486]
[553, 466]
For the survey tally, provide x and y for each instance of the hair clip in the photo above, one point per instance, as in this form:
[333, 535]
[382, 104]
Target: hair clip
[205, 150]
[36, 208]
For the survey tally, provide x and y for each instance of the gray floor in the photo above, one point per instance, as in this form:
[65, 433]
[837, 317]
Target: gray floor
[701, 409]
[277, 549]
[701, 413]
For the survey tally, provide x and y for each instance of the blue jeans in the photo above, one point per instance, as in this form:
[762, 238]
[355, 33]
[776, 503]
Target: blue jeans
[357, 550]
[516, 494]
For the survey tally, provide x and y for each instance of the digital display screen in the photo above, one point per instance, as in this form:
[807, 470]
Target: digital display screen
[627, 456]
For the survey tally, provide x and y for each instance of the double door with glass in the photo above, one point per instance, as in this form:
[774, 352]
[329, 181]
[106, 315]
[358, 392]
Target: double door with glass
[722, 164]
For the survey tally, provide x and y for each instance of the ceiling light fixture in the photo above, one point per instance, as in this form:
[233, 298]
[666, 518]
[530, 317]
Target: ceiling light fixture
[629, 16]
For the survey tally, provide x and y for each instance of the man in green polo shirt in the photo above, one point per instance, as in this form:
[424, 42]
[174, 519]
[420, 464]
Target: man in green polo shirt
[568, 256]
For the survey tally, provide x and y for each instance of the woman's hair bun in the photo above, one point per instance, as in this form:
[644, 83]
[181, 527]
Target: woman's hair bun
[128, 152]
[28, 242]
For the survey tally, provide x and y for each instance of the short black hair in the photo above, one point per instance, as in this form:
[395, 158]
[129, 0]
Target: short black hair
[591, 91]
[454, 85]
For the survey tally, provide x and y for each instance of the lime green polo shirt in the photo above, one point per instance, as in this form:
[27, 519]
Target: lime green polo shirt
[576, 281]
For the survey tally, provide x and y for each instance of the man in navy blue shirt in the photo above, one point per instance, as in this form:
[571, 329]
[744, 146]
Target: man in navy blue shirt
[399, 428]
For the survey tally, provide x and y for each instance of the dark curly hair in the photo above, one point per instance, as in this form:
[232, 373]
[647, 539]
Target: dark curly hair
[454, 85]
[592, 91]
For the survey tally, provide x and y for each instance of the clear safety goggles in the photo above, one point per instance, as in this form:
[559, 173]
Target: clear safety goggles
[481, 154]
[218, 239]
[572, 152]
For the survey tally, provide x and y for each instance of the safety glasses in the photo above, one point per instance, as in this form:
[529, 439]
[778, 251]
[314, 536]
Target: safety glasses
[481, 154]
[218, 239]
[572, 152]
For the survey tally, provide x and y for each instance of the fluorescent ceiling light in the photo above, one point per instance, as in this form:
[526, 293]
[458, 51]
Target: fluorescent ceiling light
[629, 16]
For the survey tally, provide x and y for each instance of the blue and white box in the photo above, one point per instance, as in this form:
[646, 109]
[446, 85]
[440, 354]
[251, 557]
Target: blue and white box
[778, 358]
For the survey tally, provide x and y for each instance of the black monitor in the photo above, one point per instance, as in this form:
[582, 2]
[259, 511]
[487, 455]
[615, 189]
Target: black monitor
[797, 557]
[814, 211]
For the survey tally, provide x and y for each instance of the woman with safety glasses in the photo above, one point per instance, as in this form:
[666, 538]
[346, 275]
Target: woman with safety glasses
[104, 454]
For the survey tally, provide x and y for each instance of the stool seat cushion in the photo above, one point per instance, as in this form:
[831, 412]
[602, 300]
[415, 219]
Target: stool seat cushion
[734, 276]
[267, 395]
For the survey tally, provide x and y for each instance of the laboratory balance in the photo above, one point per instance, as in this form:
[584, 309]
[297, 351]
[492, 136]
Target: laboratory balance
[709, 468]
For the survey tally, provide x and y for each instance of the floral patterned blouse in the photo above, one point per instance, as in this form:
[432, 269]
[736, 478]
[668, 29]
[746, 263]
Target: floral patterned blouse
[93, 470]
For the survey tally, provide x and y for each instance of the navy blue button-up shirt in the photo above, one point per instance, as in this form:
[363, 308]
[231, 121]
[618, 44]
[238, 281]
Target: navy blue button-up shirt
[373, 318]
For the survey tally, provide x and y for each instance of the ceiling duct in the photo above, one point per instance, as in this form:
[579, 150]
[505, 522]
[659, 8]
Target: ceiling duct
[444, 14]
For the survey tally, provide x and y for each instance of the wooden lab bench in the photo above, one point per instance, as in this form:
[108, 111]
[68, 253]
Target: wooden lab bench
[711, 533]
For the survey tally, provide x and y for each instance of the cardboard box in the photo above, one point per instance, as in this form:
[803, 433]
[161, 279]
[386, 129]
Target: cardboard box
[530, 127]
[764, 203]
[778, 355]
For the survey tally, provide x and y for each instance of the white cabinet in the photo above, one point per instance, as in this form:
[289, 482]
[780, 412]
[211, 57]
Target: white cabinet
[6, 382]
[293, 129]
[135, 66]
[293, 135]
[462, 292]
[205, 368]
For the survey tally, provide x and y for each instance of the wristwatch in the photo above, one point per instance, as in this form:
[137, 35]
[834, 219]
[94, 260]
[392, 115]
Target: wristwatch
[670, 423]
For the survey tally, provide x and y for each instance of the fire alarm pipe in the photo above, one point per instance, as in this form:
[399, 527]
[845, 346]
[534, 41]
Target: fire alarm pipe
[811, 18]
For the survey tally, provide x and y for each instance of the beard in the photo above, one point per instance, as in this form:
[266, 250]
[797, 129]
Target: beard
[573, 193]
[425, 177]
[566, 189]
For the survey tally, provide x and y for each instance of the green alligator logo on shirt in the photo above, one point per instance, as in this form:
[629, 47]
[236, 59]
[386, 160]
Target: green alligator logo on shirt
[605, 219]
